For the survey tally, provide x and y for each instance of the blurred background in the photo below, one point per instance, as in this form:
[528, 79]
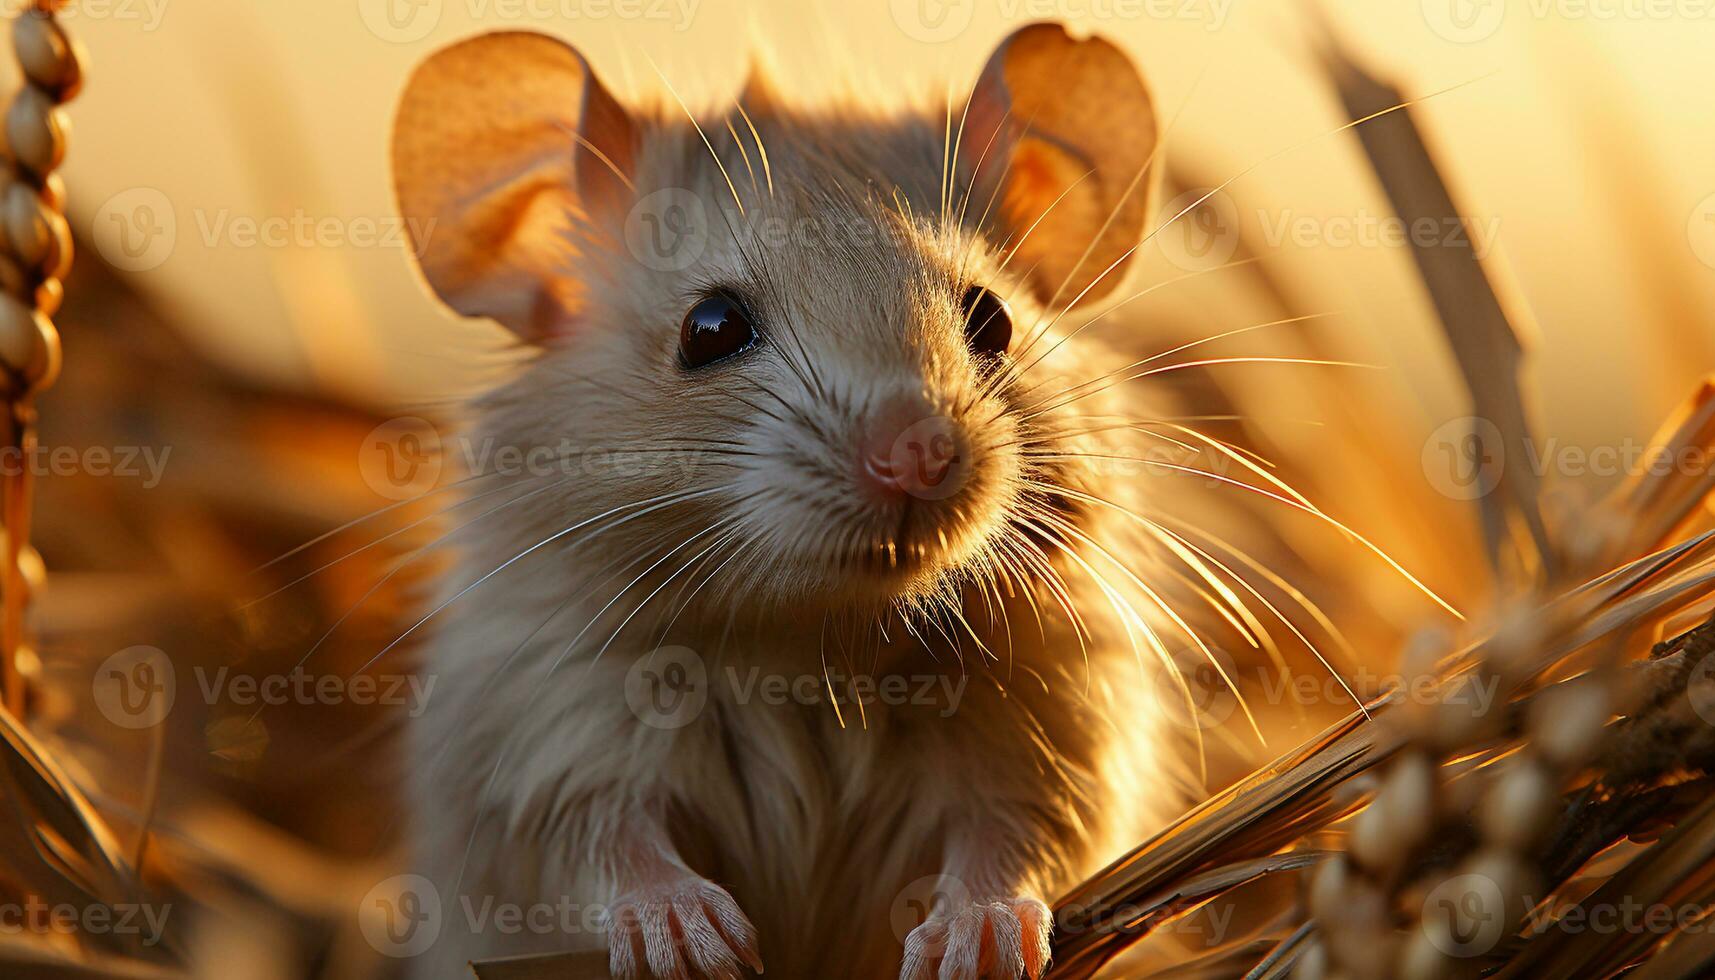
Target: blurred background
[1575, 137]
[245, 316]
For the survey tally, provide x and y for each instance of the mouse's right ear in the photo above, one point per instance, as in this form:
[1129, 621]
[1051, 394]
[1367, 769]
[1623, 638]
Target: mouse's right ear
[499, 141]
[1062, 139]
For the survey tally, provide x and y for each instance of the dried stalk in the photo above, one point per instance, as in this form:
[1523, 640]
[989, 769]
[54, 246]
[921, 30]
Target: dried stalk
[1478, 321]
[36, 256]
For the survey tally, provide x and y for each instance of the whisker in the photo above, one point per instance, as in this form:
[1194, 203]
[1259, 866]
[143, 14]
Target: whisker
[348, 525]
[381, 540]
[1284, 619]
[1210, 362]
[1140, 294]
[1319, 515]
[1160, 602]
[400, 567]
[657, 591]
[1189, 345]
[716, 157]
[665, 500]
[1303, 601]
[742, 152]
[761, 150]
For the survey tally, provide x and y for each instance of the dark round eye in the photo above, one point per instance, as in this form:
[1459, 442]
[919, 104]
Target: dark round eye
[988, 322]
[715, 329]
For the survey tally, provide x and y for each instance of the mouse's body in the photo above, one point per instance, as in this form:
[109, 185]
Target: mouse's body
[829, 830]
[816, 633]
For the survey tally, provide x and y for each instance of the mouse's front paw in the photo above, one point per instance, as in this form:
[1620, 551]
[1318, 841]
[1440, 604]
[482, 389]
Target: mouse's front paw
[1003, 939]
[678, 930]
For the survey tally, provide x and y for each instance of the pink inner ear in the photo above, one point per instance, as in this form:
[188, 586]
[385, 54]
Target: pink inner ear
[1040, 174]
[499, 141]
[546, 254]
[604, 154]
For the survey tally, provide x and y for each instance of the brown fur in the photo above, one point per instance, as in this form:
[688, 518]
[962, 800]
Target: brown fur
[538, 780]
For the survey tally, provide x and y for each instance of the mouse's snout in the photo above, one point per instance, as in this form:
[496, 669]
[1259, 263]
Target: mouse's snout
[882, 490]
[910, 451]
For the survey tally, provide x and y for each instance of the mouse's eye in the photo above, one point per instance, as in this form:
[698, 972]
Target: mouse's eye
[715, 329]
[988, 322]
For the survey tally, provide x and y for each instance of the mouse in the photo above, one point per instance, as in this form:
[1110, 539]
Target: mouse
[806, 630]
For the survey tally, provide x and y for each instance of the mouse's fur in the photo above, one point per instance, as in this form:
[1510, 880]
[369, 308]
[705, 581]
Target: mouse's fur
[1024, 751]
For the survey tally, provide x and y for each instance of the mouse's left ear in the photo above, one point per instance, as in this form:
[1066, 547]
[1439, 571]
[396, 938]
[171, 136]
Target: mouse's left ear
[499, 142]
[1061, 135]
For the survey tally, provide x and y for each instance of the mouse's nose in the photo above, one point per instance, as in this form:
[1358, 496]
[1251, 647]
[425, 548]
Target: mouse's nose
[909, 450]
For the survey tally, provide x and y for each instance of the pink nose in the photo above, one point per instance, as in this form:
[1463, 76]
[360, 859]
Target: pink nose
[911, 451]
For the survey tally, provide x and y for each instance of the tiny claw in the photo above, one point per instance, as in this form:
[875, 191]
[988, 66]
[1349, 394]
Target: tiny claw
[998, 938]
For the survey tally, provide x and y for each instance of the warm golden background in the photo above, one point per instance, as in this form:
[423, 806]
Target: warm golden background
[1581, 132]
[1574, 132]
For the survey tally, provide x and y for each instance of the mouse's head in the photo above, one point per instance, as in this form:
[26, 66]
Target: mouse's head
[815, 336]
